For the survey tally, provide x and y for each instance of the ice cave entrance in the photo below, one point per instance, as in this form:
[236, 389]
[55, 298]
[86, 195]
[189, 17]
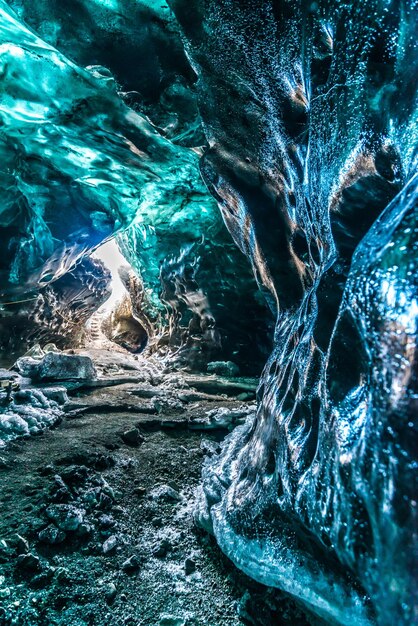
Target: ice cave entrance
[114, 321]
[111, 256]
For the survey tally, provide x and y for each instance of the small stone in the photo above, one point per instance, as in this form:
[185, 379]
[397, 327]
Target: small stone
[133, 437]
[62, 575]
[189, 566]
[106, 521]
[52, 535]
[166, 493]
[29, 562]
[140, 491]
[110, 593]
[131, 564]
[110, 544]
[84, 530]
[162, 548]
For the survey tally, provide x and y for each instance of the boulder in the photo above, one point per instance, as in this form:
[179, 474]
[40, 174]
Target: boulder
[59, 366]
[65, 516]
[223, 368]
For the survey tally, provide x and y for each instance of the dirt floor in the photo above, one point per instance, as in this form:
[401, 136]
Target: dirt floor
[96, 523]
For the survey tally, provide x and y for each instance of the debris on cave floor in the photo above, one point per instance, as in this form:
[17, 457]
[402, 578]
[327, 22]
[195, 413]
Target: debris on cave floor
[96, 522]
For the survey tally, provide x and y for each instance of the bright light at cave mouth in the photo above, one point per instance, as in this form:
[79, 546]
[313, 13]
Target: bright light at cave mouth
[111, 256]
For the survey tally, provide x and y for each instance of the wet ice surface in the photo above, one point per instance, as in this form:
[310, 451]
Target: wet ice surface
[314, 495]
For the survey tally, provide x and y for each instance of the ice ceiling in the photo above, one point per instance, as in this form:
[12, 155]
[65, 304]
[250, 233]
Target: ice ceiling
[292, 125]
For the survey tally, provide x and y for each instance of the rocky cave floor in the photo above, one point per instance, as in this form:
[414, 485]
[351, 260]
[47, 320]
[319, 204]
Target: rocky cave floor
[96, 521]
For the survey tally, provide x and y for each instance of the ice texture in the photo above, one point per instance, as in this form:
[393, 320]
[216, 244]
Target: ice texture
[310, 114]
[78, 164]
[302, 118]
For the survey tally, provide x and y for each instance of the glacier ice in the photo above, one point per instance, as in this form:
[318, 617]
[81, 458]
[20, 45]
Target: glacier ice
[300, 119]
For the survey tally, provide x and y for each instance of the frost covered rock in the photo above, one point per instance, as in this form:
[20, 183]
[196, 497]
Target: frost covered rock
[59, 366]
[51, 535]
[166, 494]
[222, 417]
[30, 412]
[223, 368]
[66, 517]
[110, 544]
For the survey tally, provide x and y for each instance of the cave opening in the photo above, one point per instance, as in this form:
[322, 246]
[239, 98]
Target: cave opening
[114, 321]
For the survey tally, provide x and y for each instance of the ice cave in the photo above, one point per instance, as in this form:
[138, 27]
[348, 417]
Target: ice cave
[208, 313]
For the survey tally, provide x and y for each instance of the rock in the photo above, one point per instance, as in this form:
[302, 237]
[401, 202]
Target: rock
[46, 470]
[162, 548]
[110, 544]
[223, 368]
[62, 575]
[52, 535]
[105, 501]
[84, 530]
[131, 564]
[59, 366]
[133, 437]
[75, 474]
[60, 491]
[66, 516]
[110, 593]
[28, 562]
[57, 394]
[42, 579]
[106, 521]
[140, 491]
[157, 522]
[221, 417]
[20, 544]
[189, 566]
[26, 366]
[166, 493]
